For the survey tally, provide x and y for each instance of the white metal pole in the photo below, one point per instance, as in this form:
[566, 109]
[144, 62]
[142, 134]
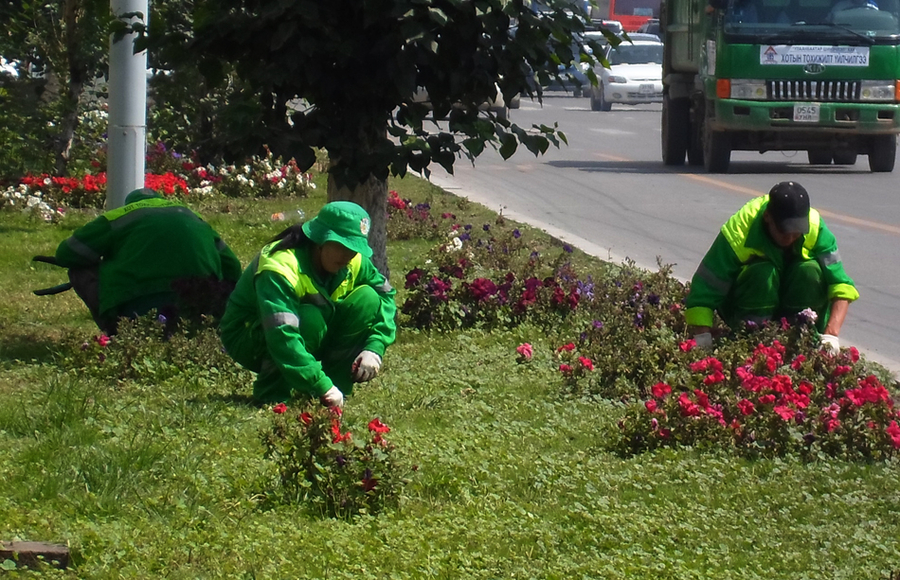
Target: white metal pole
[127, 133]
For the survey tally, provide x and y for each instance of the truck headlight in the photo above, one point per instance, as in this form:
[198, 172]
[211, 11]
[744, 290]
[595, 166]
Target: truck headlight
[877, 91]
[748, 89]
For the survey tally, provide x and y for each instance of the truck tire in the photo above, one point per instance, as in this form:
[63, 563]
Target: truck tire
[695, 146]
[676, 126]
[716, 149]
[844, 157]
[882, 153]
[819, 156]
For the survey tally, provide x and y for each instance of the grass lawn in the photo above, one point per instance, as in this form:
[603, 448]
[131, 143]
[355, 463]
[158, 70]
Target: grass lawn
[161, 473]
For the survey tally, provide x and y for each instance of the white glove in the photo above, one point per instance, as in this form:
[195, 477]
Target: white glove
[366, 366]
[830, 343]
[333, 397]
[704, 340]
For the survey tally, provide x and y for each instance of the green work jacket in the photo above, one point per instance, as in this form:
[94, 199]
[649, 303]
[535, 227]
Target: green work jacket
[744, 239]
[144, 246]
[275, 285]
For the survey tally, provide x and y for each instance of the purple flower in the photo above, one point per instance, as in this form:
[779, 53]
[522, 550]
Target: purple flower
[467, 227]
[567, 248]
[535, 255]
[161, 319]
[598, 324]
[517, 234]
[653, 299]
[340, 460]
[463, 237]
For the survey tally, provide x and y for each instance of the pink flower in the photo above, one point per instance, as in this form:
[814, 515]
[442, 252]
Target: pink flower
[565, 369]
[102, 340]
[854, 354]
[767, 399]
[279, 408]
[525, 351]
[660, 390]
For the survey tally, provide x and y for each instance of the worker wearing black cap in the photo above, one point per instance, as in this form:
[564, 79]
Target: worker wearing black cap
[773, 258]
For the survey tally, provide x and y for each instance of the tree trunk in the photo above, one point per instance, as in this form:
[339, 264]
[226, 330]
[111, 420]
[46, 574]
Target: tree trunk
[371, 195]
[77, 70]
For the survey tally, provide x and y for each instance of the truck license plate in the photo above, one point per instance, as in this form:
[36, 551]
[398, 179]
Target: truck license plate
[806, 113]
[646, 89]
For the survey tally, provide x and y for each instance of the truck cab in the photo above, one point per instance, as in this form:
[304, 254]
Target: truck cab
[775, 75]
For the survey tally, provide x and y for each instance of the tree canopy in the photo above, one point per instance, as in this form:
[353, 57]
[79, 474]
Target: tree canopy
[341, 75]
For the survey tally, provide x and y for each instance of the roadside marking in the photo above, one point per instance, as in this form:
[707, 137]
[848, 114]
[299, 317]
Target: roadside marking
[828, 214]
[611, 157]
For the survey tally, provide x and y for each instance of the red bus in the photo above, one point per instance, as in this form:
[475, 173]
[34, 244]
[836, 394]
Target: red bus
[633, 13]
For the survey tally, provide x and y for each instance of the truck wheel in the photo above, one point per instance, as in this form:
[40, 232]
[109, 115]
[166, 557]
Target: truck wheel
[844, 157]
[716, 150]
[676, 126]
[819, 156]
[882, 153]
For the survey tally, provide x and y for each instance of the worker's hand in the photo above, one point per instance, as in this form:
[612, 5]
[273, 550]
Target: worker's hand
[830, 343]
[366, 366]
[704, 340]
[333, 397]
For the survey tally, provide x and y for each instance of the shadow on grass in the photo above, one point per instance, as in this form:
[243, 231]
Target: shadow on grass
[24, 346]
[229, 399]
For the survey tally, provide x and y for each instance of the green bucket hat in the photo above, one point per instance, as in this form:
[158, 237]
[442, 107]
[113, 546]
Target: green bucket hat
[343, 222]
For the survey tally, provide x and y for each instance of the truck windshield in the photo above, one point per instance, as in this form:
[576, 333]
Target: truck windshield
[829, 18]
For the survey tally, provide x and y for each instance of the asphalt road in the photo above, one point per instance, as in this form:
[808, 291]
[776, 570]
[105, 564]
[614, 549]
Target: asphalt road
[609, 194]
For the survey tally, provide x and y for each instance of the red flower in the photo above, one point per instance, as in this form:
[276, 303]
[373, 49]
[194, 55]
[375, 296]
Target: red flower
[376, 426]
[854, 354]
[746, 407]
[893, 430]
[687, 345]
[688, 407]
[785, 413]
[795, 364]
[566, 347]
[767, 399]
[369, 483]
[336, 431]
[565, 369]
[660, 390]
[102, 340]
[586, 363]
[305, 418]
[279, 408]
[651, 405]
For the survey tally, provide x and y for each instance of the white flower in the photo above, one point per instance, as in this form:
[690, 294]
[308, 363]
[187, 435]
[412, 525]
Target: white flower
[809, 314]
[47, 181]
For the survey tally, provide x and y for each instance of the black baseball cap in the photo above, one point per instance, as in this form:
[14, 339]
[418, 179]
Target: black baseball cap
[789, 207]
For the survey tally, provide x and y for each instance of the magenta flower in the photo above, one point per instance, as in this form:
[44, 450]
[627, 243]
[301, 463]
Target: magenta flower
[525, 351]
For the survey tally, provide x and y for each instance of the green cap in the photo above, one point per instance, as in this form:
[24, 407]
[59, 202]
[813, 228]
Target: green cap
[140, 194]
[343, 222]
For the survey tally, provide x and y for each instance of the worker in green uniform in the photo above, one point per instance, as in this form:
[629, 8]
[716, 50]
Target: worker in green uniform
[775, 257]
[311, 315]
[138, 257]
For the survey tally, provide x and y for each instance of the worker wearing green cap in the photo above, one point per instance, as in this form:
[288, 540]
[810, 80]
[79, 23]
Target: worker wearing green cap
[311, 315]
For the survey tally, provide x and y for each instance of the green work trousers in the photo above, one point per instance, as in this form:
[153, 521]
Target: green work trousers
[762, 293]
[334, 337]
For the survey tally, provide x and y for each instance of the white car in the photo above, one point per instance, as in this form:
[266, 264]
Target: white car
[634, 74]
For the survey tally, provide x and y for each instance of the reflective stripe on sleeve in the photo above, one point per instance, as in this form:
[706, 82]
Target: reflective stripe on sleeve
[82, 249]
[716, 283]
[281, 319]
[384, 288]
[829, 259]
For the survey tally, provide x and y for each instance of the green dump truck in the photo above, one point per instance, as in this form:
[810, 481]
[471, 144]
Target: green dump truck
[819, 76]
